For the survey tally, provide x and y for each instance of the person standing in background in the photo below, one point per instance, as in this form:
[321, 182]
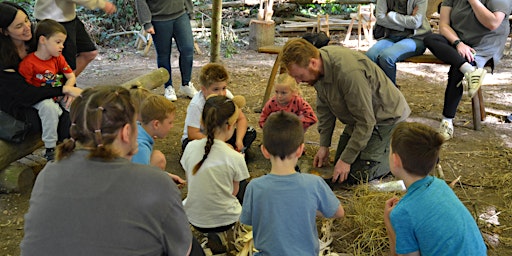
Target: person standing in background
[166, 20]
[79, 49]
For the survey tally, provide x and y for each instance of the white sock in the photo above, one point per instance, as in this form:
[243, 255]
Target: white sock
[449, 120]
[466, 68]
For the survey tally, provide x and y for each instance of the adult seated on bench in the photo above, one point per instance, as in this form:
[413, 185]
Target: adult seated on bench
[471, 34]
[405, 27]
[16, 95]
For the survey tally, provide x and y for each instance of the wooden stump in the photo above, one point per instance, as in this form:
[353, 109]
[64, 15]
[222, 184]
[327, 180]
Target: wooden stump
[261, 33]
[16, 178]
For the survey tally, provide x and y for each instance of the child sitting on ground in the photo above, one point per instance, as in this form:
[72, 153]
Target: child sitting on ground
[44, 67]
[429, 219]
[288, 98]
[214, 80]
[215, 173]
[283, 222]
[156, 117]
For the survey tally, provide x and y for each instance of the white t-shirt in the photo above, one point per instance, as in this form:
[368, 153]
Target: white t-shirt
[195, 111]
[210, 201]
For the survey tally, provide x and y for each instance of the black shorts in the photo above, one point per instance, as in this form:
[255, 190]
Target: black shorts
[77, 41]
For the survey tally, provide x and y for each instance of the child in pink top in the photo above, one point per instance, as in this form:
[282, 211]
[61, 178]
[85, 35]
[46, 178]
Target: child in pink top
[288, 98]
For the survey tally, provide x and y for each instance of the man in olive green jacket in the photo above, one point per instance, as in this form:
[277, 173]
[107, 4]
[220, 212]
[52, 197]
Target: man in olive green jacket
[353, 89]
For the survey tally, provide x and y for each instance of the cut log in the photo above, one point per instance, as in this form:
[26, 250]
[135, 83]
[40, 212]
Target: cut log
[16, 178]
[150, 80]
[261, 33]
[10, 152]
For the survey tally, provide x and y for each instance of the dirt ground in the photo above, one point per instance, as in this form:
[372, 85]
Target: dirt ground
[481, 158]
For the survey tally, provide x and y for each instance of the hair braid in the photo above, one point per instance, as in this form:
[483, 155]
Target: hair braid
[211, 126]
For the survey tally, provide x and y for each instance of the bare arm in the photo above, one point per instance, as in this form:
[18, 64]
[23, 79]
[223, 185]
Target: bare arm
[490, 20]
[236, 187]
[444, 24]
[194, 133]
[241, 129]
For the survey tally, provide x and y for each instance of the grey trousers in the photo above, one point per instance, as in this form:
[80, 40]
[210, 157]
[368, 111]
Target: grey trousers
[49, 112]
[373, 161]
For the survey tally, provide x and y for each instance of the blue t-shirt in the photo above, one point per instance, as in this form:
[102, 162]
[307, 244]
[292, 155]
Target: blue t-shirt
[145, 142]
[431, 219]
[282, 211]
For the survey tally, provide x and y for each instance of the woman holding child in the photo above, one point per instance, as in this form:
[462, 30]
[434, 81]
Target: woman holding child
[16, 95]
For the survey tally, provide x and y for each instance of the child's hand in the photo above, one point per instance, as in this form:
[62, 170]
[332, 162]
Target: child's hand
[178, 180]
[390, 205]
[239, 146]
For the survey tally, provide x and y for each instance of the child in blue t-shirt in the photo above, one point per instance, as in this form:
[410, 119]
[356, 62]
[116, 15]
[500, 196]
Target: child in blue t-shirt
[155, 120]
[429, 219]
[282, 222]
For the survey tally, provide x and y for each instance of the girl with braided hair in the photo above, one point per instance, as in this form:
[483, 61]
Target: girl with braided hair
[216, 172]
[94, 201]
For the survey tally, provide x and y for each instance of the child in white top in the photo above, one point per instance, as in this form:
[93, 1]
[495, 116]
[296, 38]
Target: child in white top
[216, 173]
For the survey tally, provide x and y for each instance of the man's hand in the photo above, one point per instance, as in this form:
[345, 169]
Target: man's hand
[321, 157]
[340, 172]
[109, 8]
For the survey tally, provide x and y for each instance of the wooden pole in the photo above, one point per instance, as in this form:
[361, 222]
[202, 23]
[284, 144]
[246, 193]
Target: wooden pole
[216, 31]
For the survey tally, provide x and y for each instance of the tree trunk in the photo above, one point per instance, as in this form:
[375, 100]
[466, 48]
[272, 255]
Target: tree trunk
[216, 31]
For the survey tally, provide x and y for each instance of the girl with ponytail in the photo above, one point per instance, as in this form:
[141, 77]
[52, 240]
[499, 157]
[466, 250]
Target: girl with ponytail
[216, 172]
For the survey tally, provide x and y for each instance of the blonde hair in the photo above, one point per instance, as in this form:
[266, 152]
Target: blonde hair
[155, 107]
[138, 94]
[286, 80]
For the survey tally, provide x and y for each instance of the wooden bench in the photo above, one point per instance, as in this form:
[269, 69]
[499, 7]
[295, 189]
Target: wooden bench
[477, 101]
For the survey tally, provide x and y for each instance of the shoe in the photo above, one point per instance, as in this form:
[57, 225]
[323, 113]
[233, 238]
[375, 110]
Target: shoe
[188, 90]
[170, 94]
[446, 130]
[49, 154]
[215, 243]
[474, 80]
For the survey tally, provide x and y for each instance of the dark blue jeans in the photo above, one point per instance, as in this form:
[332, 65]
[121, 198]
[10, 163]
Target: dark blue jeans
[388, 51]
[181, 31]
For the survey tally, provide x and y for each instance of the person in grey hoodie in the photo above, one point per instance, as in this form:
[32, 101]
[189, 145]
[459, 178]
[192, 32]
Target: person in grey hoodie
[405, 24]
[165, 20]
[79, 49]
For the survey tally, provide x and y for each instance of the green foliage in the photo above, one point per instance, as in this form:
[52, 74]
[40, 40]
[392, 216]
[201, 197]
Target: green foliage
[327, 8]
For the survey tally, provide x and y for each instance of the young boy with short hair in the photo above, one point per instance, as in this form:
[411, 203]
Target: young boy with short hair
[429, 219]
[214, 80]
[282, 206]
[45, 67]
[156, 115]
